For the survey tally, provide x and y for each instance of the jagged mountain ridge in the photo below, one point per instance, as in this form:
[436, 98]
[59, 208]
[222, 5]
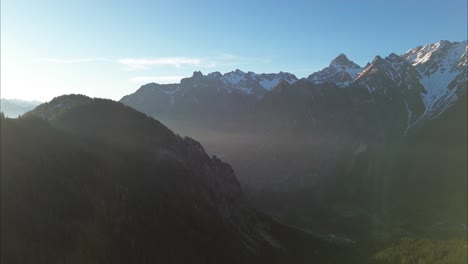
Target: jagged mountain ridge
[393, 84]
[205, 98]
[244, 81]
[436, 73]
[332, 144]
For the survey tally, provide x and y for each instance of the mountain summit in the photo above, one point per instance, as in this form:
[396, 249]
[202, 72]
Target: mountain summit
[341, 71]
[342, 60]
[442, 66]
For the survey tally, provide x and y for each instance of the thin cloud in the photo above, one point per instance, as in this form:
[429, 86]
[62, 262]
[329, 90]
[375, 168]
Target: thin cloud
[226, 59]
[69, 61]
[156, 79]
[223, 59]
[145, 63]
[230, 59]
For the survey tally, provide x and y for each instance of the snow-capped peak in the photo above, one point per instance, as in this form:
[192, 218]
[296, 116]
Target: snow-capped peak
[234, 77]
[270, 80]
[442, 66]
[422, 54]
[250, 79]
[341, 71]
[443, 54]
[437, 71]
[249, 83]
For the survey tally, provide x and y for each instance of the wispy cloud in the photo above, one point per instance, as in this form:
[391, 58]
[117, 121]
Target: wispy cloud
[226, 59]
[145, 63]
[69, 61]
[223, 59]
[156, 79]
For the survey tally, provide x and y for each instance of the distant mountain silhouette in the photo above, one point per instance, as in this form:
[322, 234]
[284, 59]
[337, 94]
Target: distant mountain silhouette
[13, 107]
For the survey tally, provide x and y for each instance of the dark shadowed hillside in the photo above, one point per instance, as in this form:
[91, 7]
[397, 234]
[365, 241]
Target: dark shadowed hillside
[93, 181]
[86, 196]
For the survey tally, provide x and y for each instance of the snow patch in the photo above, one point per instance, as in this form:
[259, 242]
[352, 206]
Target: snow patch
[438, 97]
[269, 84]
[233, 78]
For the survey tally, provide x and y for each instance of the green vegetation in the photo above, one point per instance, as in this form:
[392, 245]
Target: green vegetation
[422, 251]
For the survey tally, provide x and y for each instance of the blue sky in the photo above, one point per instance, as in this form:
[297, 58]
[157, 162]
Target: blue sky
[109, 48]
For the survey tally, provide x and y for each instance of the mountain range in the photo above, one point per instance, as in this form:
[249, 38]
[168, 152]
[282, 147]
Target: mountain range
[332, 142]
[16, 107]
[431, 75]
[339, 167]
